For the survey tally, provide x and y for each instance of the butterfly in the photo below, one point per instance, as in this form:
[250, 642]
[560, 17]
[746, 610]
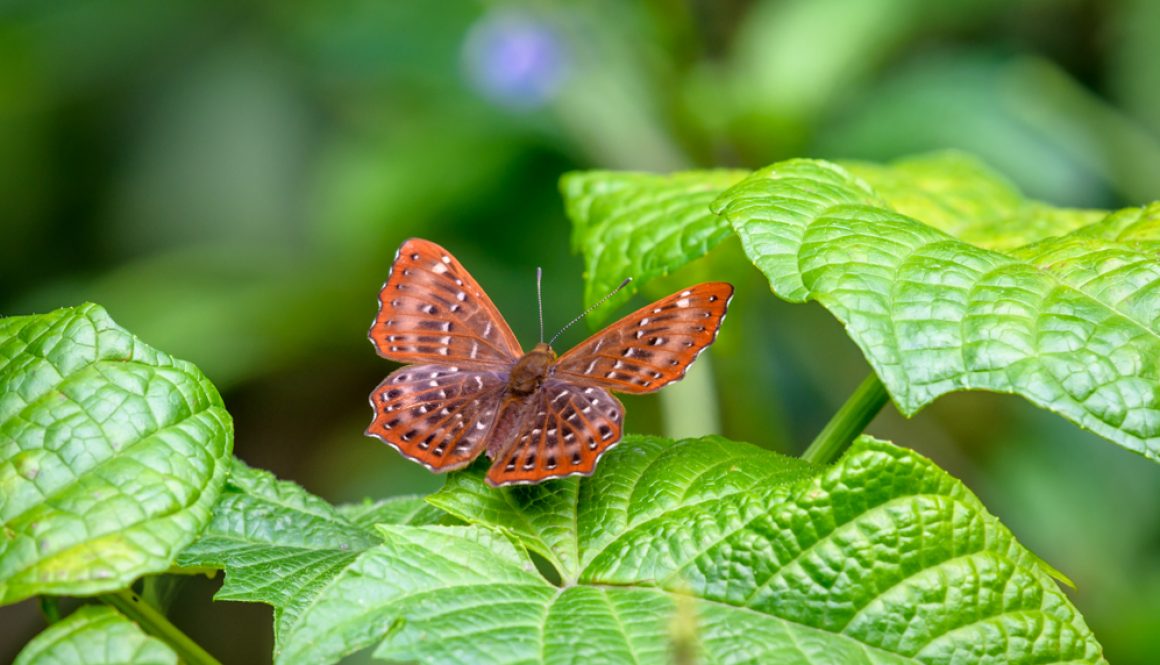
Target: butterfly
[470, 388]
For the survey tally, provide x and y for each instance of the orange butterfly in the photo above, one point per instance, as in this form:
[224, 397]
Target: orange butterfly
[474, 389]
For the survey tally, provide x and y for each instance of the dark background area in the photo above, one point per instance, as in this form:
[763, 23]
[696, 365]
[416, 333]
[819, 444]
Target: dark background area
[231, 179]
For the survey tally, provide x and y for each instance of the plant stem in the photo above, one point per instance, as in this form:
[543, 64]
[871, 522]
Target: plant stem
[865, 403]
[155, 623]
[50, 608]
[689, 408]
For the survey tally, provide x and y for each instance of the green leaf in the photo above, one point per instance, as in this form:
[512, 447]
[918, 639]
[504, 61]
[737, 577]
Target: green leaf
[111, 454]
[95, 635]
[395, 510]
[959, 195]
[641, 225]
[279, 544]
[1069, 321]
[443, 592]
[544, 517]
[707, 546]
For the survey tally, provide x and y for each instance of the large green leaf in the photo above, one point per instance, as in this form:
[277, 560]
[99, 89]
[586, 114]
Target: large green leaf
[641, 225]
[959, 195]
[280, 545]
[95, 635]
[945, 276]
[735, 553]
[1068, 319]
[111, 454]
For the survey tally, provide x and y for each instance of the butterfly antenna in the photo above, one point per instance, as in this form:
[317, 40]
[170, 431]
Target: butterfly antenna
[540, 299]
[588, 311]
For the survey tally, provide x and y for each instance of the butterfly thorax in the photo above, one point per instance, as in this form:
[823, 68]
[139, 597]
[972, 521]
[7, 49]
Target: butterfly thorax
[531, 370]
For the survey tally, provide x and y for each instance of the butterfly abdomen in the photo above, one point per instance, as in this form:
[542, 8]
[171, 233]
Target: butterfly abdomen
[531, 370]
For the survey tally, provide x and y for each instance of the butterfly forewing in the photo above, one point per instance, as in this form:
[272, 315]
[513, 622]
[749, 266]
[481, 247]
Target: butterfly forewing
[654, 345]
[438, 415]
[431, 310]
[562, 433]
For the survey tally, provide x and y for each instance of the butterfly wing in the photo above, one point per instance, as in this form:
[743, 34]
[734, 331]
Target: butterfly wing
[565, 434]
[437, 415]
[431, 310]
[654, 345]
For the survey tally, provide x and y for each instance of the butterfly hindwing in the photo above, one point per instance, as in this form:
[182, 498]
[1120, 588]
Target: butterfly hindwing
[654, 345]
[431, 310]
[565, 430]
[438, 415]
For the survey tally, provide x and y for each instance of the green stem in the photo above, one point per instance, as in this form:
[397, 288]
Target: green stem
[155, 623]
[689, 408]
[50, 608]
[868, 399]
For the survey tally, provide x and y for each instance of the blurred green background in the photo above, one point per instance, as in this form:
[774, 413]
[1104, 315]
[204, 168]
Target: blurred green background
[231, 180]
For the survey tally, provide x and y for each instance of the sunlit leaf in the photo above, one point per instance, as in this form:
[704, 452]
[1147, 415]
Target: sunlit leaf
[95, 635]
[641, 225]
[280, 545]
[111, 454]
[1069, 320]
[709, 547]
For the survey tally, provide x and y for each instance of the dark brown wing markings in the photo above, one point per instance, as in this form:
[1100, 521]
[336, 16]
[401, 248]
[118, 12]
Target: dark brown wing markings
[432, 310]
[437, 415]
[635, 355]
[560, 439]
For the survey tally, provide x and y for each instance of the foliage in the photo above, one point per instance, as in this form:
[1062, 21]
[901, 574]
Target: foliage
[95, 635]
[767, 553]
[694, 549]
[281, 545]
[949, 280]
[230, 183]
[111, 454]
[641, 224]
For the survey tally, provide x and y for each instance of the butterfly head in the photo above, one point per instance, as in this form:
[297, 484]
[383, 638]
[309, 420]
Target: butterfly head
[531, 370]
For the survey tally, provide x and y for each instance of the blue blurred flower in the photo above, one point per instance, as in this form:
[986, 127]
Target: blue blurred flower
[514, 59]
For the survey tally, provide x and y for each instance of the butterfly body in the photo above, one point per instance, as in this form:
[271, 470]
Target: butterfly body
[531, 369]
[472, 389]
